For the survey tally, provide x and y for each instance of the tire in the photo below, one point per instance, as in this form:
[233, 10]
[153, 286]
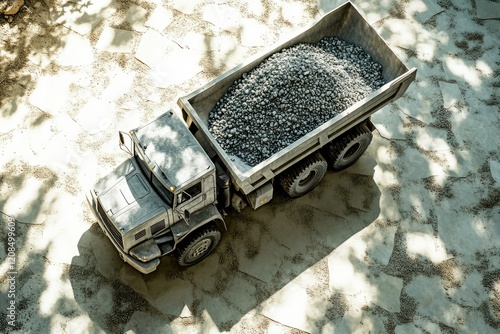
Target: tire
[346, 150]
[199, 246]
[304, 176]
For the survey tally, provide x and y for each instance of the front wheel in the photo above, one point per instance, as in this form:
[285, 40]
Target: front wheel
[199, 246]
[345, 150]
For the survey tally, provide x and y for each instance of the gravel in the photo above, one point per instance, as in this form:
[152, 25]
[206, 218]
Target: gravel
[290, 94]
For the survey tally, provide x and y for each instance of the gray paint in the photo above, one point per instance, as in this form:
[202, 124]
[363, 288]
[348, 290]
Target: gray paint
[344, 22]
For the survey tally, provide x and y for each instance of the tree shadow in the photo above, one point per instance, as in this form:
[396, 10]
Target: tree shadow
[420, 212]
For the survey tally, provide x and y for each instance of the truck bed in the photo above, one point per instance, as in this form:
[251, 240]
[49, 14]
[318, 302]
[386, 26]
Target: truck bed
[344, 22]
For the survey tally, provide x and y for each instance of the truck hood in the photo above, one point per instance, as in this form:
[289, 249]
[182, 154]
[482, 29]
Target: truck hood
[127, 198]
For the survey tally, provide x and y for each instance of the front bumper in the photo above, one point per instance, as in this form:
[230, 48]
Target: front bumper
[143, 267]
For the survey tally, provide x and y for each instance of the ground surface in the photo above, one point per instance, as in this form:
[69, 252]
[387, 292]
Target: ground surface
[405, 241]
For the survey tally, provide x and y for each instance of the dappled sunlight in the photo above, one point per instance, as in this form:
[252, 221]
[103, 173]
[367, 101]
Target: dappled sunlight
[433, 303]
[168, 72]
[405, 240]
[458, 69]
[426, 246]
[116, 40]
[410, 35]
[58, 288]
[76, 51]
[82, 17]
[51, 92]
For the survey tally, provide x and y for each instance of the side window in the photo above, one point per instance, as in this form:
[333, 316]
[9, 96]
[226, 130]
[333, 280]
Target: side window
[189, 193]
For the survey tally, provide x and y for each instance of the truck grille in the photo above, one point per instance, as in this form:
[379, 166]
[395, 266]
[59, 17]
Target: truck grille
[115, 234]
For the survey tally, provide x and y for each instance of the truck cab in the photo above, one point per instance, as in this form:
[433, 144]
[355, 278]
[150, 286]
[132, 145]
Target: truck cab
[162, 199]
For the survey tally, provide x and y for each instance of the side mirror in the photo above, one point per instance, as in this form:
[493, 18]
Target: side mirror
[125, 142]
[187, 214]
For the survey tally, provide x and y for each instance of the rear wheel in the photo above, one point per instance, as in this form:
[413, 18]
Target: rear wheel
[345, 150]
[304, 176]
[199, 246]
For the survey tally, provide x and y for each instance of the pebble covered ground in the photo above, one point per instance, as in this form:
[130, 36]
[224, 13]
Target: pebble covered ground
[290, 94]
[404, 241]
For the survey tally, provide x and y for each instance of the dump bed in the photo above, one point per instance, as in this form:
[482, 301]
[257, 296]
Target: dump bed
[344, 22]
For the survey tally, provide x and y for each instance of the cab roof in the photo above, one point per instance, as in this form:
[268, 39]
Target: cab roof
[173, 150]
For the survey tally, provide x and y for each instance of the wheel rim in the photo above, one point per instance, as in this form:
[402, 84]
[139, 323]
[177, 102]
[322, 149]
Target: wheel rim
[304, 181]
[352, 151]
[200, 248]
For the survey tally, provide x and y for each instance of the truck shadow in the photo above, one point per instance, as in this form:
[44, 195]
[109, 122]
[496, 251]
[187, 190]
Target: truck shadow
[261, 252]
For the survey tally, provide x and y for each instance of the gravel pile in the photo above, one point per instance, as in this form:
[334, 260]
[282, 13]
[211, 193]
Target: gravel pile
[289, 94]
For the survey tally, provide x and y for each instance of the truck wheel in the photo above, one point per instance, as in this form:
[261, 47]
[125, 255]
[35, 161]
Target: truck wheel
[345, 150]
[304, 176]
[198, 246]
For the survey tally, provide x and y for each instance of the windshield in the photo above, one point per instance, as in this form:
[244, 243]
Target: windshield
[151, 177]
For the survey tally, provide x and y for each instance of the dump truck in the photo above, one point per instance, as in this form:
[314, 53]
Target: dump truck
[170, 197]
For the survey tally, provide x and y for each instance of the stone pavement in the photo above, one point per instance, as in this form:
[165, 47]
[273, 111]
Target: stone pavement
[404, 241]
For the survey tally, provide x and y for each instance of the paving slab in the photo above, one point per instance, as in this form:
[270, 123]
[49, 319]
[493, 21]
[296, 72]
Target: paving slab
[76, 51]
[426, 325]
[294, 13]
[176, 68]
[384, 177]
[133, 279]
[260, 261]
[390, 122]
[465, 129]
[487, 9]
[432, 301]
[348, 263]
[451, 94]
[337, 196]
[240, 293]
[96, 115]
[223, 16]
[358, 321]
[145, 322]
[82, 19]
[199, 41]
[116, 40]
[415, 165]
[415, 200]
[363, 166]
[420, 95]
[253, 33]
[409, 35]
[423, 10]
[160, 18]
[431, 139]
[386, 292]
[425, 246]
[186, 7]
[292, 306]
[372, 12]
[51, 93]
[120, 83]
[465, 233]
[460, 69]
[495, 170]
[25, 205]
[471, 290]
[153, 47]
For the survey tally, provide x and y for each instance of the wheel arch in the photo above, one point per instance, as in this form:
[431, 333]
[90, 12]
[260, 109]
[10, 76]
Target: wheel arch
[207, 216]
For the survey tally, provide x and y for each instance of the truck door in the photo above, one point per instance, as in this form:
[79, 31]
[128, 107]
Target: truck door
[191, 198]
